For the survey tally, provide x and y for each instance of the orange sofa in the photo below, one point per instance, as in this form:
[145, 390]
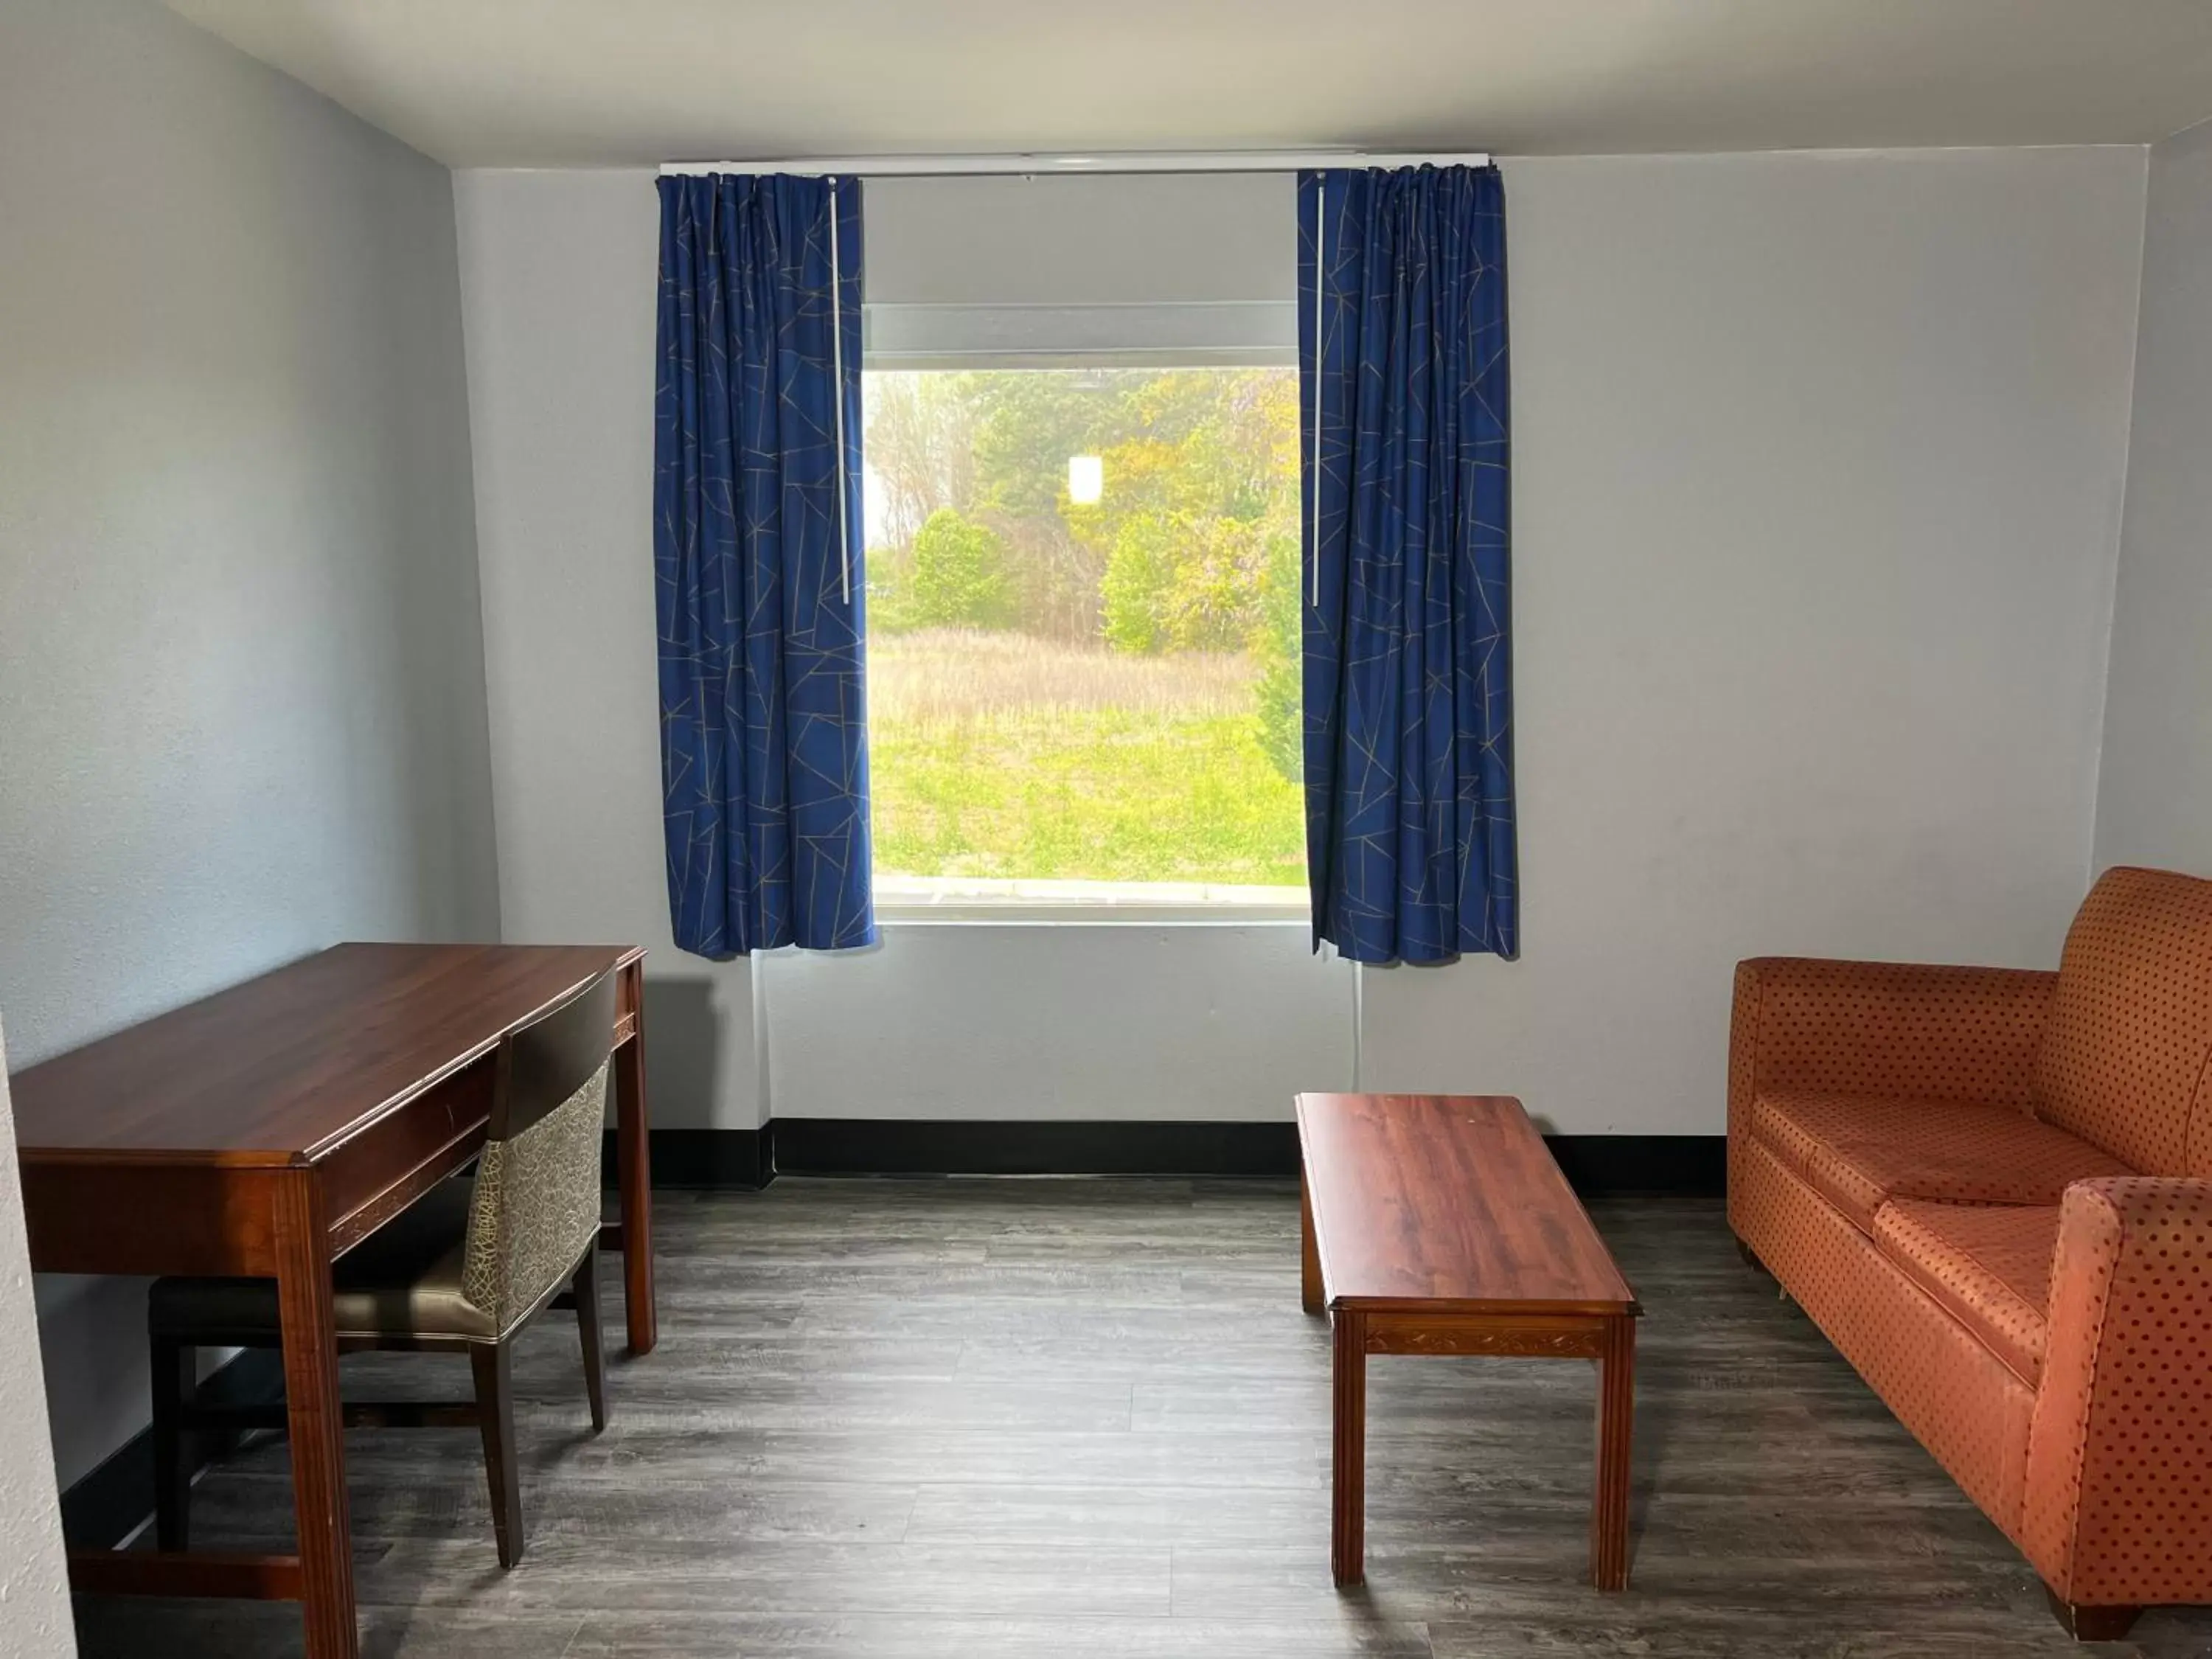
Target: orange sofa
[1993, 1190]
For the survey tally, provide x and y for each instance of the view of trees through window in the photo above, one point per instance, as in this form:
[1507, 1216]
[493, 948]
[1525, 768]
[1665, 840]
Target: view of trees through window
[1083, 632]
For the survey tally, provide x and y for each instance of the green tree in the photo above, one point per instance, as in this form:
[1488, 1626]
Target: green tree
[1212, 458]
[1135, 589]
[1279, 645]
[1026, 426]
[890, 590]
[922, 448]
[1201, 475]
[960, 577]
[1213, 599]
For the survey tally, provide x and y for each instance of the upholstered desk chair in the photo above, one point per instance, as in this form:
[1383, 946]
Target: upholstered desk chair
[462, 1270]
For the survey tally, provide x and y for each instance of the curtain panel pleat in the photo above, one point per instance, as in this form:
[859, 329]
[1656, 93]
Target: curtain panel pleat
[757, 564]
[1410, 840]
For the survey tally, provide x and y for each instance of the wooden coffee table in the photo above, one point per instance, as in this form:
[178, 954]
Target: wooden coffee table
[1439, 1224]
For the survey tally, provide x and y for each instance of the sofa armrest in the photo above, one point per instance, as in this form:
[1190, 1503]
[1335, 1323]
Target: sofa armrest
[1901, 1029]
[2118, 1501]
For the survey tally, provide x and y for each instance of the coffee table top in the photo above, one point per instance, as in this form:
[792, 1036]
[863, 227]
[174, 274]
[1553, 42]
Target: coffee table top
[1422, 1200]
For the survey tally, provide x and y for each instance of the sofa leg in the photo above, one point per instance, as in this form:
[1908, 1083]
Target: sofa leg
[1752, 1257]
[2091, 1623]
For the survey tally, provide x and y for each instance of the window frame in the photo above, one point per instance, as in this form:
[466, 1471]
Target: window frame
[917, 351]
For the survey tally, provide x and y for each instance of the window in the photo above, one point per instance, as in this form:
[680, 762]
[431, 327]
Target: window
[1083, 637]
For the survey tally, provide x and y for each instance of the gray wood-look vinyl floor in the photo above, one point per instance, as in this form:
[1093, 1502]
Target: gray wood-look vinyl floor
[1087, 1420]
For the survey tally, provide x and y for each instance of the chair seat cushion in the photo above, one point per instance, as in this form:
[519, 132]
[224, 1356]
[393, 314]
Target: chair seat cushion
[403, 1280]
[1858, 1151]
[1988, 1264]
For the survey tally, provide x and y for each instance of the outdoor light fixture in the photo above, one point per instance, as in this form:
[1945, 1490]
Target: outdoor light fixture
[1087, 479]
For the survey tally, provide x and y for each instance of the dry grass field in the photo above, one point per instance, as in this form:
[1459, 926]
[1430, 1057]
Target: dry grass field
[937, 675]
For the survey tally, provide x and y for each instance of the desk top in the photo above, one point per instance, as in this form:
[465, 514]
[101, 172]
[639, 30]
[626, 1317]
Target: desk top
[1430, 1199]
[282, 1068]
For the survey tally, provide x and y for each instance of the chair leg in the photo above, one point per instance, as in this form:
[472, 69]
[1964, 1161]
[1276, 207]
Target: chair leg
[587, 1289]
[174, 1378]
[495, 1379]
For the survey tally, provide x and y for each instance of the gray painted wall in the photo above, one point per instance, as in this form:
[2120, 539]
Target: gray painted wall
[2154, 794]
[1818, 467]
[558, 277]
[242, 690]
[1819, 463]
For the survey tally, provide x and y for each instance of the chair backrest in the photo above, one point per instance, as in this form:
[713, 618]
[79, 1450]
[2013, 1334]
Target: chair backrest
[2129, 1041]
[536, 1204]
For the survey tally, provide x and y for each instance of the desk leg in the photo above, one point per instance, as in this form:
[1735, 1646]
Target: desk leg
[1348, 1506]
[314, 1417]
[1309, 1290]
[634, 1160]
[1616, 1424]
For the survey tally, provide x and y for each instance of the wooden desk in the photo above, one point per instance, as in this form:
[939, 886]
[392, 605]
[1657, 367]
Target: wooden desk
[1439, 1224]
[267, 1130]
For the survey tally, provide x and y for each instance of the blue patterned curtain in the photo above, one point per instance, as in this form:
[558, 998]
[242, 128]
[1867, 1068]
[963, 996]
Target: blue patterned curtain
[763, 737]
[1409, 707]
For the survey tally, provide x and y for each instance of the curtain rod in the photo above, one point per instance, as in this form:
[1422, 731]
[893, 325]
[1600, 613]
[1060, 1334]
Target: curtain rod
[1229, 160]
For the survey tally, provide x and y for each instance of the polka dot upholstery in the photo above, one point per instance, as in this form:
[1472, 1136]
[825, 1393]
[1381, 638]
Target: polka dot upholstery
[1899, 1030]
[1858, 1152]
[2125, 1060]
[1905, 1144]
[1988, 1264]
[1960, 1400]
[2119, 1503]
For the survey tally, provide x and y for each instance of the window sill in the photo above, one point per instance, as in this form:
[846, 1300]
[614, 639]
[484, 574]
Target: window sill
[906, 900]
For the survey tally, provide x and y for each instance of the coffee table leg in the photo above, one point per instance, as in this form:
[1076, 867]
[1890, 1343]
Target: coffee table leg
[1348, 1510]
[1309, 1252]
[1616, 1424]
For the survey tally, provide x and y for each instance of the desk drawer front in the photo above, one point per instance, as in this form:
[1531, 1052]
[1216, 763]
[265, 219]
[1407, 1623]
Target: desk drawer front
[125, 1218]
[387, 1166]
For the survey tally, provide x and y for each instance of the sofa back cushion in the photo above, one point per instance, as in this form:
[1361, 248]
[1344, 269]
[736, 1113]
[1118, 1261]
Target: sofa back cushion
[2129, 1036]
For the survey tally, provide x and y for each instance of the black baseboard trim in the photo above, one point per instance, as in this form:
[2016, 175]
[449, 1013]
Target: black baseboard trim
[896, 1146]
[714, 1159]
[748, 1159]
[107, 1504]
[1607, 1166]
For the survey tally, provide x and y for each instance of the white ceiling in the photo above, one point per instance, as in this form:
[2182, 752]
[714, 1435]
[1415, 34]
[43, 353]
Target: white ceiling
[584, 82]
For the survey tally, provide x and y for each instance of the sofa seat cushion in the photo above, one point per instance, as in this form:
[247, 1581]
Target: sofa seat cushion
[1988, 1264]
[1858, 1151]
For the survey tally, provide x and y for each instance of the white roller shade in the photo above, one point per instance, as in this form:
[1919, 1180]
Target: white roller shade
[1132, 269]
